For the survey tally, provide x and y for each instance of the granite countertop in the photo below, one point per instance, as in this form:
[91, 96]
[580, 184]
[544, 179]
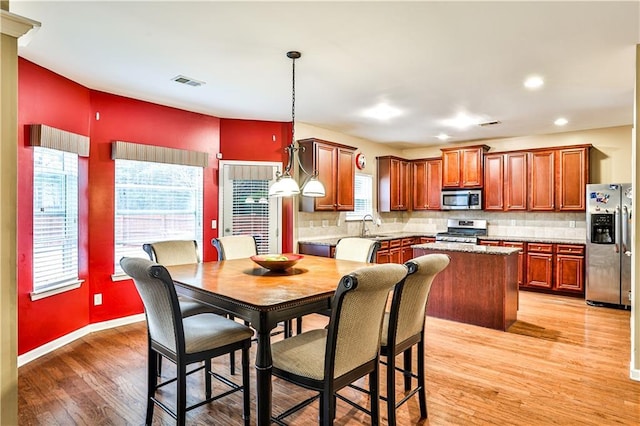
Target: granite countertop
[468, 248]
[550, 240]
[378, 237]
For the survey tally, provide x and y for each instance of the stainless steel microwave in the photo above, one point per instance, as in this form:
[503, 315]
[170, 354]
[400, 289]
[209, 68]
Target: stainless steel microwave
[470, 199]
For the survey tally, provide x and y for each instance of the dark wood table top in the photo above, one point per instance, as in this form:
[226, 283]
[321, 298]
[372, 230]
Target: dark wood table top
[243, 281]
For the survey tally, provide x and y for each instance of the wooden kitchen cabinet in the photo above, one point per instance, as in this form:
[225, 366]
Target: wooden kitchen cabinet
[539, 265]
[394, 184]
[494, 182]
[407, 251]
[335, 164]
[317, 249]
[572, 178]
[558, 179]
[493, 243]
[382, 256]
[426, 178]
[569, 268]
[541, 172]
[463, 167]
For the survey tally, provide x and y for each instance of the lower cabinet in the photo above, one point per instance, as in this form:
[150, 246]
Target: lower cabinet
[315, 249]
[569, 268]
[549, 267]
[396, 251]
[539, 266]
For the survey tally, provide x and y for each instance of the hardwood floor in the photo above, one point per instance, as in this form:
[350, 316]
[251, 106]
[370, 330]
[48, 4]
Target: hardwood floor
[561, 363]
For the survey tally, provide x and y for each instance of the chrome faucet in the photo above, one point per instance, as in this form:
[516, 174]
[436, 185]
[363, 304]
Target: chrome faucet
[364, 231]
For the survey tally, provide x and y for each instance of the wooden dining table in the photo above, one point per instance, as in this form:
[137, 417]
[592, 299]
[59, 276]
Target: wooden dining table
[263, 298]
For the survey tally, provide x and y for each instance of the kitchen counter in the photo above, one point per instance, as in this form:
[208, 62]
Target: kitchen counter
[550, 240]
[467, 248]
[480, 285]
[378, 237]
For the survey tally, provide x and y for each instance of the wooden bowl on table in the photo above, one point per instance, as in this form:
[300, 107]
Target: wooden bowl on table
[277, 262]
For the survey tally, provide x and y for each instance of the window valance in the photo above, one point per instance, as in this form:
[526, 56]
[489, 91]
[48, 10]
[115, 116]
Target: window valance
[50, 137]
[135, 151]
[251, 172]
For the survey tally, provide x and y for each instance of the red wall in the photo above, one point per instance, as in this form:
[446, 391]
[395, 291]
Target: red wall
[248, 139]
[47, 98]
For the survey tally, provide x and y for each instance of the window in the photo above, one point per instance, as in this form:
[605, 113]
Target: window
[363, 197]
[155, 202]
[55, 219]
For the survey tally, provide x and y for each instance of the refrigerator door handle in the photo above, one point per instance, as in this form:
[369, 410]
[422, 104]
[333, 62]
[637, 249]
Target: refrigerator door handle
[625, 231]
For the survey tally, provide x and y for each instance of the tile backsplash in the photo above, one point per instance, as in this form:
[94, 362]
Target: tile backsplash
[311, 226]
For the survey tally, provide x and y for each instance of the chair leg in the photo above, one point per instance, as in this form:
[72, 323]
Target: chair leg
[422, 393]
[159, 369]
[327, 407]
[207, 378]
[374, 388]
[181, 393]
[232, 363]
[287, 329]
[407, 369]
[152, 369]
[246, 394]
[391, 389]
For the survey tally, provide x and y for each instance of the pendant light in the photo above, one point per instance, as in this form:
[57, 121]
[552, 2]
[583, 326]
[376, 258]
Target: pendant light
[285, 185]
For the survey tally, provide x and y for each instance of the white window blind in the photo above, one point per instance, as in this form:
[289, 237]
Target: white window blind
[250, 211]
[363, 197]
[155, 202]
[55, 218]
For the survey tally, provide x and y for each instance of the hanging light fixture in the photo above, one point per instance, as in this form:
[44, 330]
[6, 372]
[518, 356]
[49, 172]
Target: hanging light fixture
[285, 185]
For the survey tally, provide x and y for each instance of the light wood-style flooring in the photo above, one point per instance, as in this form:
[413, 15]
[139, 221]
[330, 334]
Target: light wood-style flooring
[562, 363]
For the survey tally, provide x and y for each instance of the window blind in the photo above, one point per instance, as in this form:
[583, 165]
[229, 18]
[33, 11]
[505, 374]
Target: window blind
[155, 202]
[250, 211]
[55, 218]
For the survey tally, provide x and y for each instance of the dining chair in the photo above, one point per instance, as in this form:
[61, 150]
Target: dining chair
[184, 341]
[403, 328]
[235, 246]
[181, 252]
[358, 249]
[326, 360]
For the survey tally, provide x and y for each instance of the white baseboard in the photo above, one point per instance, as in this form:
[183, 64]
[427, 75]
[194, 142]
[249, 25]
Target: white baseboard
[634, 374]
[68, 338]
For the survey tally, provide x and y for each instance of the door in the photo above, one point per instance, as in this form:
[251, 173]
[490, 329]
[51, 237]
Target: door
[244, 205]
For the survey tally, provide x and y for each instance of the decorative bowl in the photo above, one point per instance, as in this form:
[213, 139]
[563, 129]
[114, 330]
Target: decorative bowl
[277, 262]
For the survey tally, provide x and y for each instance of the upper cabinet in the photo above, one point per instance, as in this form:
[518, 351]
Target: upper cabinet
[335, 164]
[549, 179]
[394, 184]
[505, 181]
[559, 178]
[426, 183]
[462, 167]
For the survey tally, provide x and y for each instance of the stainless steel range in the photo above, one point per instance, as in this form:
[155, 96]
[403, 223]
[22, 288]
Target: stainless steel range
[463, 231]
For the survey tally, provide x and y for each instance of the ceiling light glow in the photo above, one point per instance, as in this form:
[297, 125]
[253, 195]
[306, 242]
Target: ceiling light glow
[443, 137]
[383, 111]
[534, 82]
[561, 121]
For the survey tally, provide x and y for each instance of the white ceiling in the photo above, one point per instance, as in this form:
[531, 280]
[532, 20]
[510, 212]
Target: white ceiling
[431, 60]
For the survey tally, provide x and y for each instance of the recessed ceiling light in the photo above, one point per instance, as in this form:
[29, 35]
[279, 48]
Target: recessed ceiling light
[443, 137]
[561, 121]
[383, 111]
[462, 121]
[534, 82]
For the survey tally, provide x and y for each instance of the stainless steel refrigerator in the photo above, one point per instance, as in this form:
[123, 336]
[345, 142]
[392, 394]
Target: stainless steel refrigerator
[608, 248]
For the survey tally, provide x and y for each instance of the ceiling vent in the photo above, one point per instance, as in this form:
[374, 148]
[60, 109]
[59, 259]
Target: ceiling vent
[188, 81]
[489, 123]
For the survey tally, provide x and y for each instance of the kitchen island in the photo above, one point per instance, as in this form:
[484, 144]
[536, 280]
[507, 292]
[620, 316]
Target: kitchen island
[480, 285]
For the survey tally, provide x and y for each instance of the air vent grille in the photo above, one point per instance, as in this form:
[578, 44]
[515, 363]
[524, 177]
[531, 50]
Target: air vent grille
[489, 123]
[188, 81]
